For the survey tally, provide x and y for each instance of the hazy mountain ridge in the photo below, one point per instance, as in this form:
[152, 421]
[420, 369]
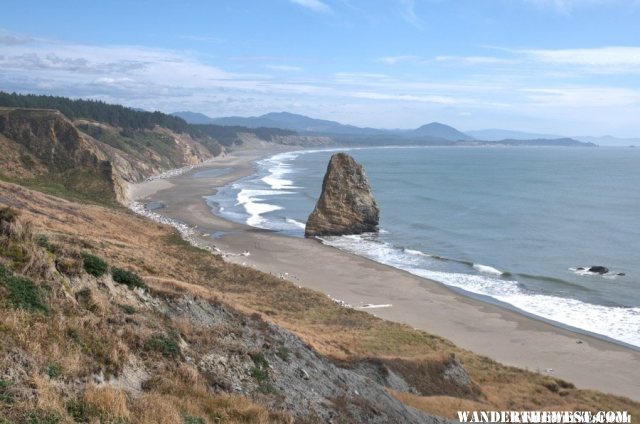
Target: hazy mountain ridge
[434, 133]
[436, 129]
[496, 134]
[608, 140]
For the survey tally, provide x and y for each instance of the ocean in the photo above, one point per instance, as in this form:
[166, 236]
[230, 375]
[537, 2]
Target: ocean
[508, 225]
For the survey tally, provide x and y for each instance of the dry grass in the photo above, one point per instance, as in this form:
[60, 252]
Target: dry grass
[101, 331]
[156, 409]
[444, 406]
[107, 403]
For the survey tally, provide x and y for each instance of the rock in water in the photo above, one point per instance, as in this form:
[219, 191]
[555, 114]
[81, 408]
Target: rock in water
[346, 204]
[596, 269]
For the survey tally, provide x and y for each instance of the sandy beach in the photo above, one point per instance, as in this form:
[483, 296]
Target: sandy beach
[486, 329]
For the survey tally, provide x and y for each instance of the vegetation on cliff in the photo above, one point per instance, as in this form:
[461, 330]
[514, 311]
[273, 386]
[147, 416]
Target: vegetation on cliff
[96, 110]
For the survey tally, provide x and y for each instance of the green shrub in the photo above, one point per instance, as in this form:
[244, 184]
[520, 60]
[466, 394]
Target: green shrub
[6, 395]
[283, 353]
[165, 345]
[4, 273]
[188, 419]
[260, 372]
[128, 278]
[78, 411]
[25, 294]
[43, 241]
[8, 214]
[54, 370]
[94, 265]
[40, 417]
[74, 335]
[128, 309]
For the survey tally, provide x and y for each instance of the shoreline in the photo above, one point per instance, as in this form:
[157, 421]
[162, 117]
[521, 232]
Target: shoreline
[486, 328]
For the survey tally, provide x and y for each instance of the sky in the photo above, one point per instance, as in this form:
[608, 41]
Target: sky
[569, 67]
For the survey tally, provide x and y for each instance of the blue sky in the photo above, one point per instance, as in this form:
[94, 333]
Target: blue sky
[568, 67]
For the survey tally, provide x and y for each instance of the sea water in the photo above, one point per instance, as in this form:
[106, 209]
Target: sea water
[512, 225]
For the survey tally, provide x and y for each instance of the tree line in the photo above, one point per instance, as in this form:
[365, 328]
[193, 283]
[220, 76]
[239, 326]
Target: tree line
[131, 119]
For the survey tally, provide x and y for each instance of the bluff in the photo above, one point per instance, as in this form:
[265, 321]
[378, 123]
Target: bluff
[346, 204]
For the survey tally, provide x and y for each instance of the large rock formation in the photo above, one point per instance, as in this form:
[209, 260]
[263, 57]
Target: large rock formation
[346, 204]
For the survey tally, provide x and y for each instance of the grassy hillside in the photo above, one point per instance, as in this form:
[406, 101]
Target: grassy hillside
[82, 340]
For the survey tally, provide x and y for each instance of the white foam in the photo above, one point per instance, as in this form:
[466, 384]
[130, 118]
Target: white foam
[616, 322]
[486, 269]
[619, 323]
[277, 167]
[297, 224]
[250, 199]
[278, 183]
[415, 252]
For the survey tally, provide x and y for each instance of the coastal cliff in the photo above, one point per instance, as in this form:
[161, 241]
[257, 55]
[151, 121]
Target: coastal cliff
[346, 204]
[91, 151]
[88, 160]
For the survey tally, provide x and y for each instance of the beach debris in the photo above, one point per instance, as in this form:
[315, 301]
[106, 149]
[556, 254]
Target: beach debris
[372, 306]
[346, 204]
[179, 171]
[340, 302]
[303, 374]
[186, 232]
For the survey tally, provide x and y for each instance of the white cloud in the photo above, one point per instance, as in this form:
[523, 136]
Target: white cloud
[408, 13]
[12, 39]
[566, 6]
[613, 59]
[407, 98]
[475, 60]
[315, 5]
[393, 60]
[583, 97]
[561, 63]
[355, 77]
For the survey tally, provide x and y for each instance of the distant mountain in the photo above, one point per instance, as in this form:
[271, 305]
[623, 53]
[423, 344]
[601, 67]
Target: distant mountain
[435, 133]
[305, 124]
[541, 142]
[194, 117]
[498, 134]
[438, 130]
[608, 140]
[283, 120]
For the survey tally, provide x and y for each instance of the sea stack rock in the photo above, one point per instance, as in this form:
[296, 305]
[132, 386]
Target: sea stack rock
[346, 204]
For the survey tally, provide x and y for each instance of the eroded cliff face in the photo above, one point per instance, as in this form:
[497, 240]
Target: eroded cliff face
[45, 148]
[346, 204]
[43, 145]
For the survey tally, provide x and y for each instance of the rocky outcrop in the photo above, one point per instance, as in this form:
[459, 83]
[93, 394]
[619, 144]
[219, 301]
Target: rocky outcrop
[346, 204]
